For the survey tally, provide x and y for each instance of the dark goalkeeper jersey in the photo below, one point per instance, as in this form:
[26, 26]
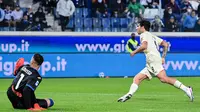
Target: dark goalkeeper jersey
[26, 82]
[26, 76]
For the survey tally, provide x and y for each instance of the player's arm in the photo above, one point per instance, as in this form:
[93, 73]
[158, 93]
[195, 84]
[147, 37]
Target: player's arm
[165, 48]
[141, 48]
[165, 45]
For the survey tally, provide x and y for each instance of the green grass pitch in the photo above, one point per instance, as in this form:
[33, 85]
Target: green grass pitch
[100, 95]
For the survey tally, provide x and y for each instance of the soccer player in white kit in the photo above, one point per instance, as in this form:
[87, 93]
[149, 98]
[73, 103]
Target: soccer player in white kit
[149, 45]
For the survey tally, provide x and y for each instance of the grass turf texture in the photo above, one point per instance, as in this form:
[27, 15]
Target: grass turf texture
[100, 95]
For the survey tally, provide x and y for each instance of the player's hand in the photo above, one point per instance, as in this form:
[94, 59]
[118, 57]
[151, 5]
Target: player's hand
[132, 54]
[163, 60]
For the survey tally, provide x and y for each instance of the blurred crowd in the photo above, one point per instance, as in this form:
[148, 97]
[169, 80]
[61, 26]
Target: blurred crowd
[178, 15]
[14, 17]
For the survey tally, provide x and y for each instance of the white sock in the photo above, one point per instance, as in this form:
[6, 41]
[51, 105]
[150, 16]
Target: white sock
[133, 88]
[178, 84]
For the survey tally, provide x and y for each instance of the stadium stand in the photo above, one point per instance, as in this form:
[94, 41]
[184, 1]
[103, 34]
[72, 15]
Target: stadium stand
[87, 18]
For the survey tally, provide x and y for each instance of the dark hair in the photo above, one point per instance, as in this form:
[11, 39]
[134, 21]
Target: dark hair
[146, 24]
[133, 36]
[38, 59]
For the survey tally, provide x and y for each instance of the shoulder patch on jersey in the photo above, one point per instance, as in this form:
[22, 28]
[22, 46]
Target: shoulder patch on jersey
[37, 83]
[39, 77]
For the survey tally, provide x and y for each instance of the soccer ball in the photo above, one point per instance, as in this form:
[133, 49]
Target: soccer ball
[101, 75]
[125, 76]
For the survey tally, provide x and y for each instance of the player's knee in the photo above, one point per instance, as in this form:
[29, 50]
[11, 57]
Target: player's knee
[163, 80]
[136, 80]
[50, 102]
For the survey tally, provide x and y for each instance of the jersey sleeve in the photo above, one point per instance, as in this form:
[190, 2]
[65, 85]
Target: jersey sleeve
[33, 83]
[143, 38]
[158, 40]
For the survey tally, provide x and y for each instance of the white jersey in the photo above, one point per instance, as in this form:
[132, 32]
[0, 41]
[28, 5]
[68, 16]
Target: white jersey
[152, 52]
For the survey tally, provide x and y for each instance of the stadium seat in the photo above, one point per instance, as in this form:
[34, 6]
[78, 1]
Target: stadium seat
[88, 29]
[106, 22]
[1, 28]
[12, 29]
[85, 12]
[96, 22]
[123, 22]
[71, 23]
[115, 22]
[97, 30]
[78, 22]
[151, 13]
[78, 29]
[106, 30]
[162, 13]
[87, 22]
[130, 20]
[78, 12]
[124, 30]
[115, 30]
[6, 29]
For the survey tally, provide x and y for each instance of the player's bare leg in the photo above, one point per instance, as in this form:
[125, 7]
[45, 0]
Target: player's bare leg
[172, 81]
[134, 86]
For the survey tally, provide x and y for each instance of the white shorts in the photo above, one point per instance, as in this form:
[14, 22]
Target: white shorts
[152, 69]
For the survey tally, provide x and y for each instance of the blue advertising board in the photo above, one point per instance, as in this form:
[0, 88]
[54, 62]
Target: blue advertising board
[89, 56]
[90, 65]
[85, 44]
